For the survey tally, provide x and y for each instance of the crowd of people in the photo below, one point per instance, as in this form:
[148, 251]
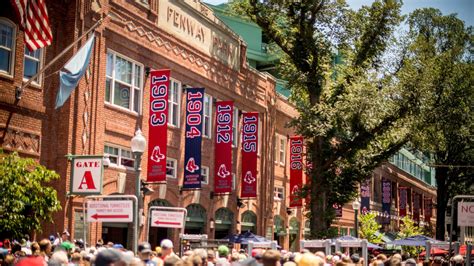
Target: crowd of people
[61, 251]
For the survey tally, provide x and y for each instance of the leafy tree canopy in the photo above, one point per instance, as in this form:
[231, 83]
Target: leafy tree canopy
[353, 115]
[369, 228]
[26, 199]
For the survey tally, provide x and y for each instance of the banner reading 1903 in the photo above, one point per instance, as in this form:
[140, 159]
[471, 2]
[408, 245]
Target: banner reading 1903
[193, 135]
[223, 147]
[296, 170]
[249, 155]
[157, 128]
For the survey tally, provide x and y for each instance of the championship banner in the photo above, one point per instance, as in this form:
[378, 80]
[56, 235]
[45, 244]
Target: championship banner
[158, 125]
[365, 196]
[193, 138]
[416, 207]
[296, 171]
[337, 210]
[428, 209]
[249, 155]
[223, 147]
[386, 200]
[402, 207]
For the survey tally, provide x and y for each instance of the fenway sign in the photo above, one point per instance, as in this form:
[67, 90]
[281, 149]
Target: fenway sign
[86, 177]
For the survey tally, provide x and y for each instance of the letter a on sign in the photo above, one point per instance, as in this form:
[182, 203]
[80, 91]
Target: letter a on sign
[86, 175]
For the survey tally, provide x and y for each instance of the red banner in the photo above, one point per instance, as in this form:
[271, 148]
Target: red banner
[223, 147]
[249, 155]
[402, 207]
[428, 209]
[296, 171]
[416, 207]
[158, 127]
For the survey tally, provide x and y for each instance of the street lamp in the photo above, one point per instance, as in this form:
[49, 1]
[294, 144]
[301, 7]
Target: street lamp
[356, 207]
[138, 147]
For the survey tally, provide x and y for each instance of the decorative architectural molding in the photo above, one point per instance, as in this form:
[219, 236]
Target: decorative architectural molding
[14, 139]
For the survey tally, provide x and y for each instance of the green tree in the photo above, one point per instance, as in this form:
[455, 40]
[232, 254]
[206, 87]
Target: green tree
[409, 228]
[445, 128]
[26, 201]
[369, 228]
[354, 115]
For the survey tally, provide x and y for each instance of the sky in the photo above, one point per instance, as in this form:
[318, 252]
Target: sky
[464, 8]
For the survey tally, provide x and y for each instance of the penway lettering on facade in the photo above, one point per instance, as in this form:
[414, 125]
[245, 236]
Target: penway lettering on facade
[185, 24]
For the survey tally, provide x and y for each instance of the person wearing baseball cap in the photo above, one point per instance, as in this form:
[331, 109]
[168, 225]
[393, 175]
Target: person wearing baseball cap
[144, 252]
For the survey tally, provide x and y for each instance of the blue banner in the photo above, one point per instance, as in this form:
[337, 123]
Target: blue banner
[386, 200]
[192, 153]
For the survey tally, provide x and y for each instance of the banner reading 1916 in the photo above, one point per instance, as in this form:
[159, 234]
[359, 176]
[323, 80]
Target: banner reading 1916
[158, 127]
[249, 155]
[296, 171]
[193, 135]
[223, 147]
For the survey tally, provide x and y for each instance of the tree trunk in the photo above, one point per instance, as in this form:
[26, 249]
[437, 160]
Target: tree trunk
[442, 201]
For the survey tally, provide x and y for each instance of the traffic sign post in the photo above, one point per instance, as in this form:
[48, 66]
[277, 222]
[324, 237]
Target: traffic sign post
[167, 217]
[111, 209]
[354, 244]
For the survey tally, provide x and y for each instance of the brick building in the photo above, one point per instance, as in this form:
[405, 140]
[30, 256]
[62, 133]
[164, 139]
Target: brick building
[112, 101]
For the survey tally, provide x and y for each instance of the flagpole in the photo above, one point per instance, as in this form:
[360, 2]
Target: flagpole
[19, 90]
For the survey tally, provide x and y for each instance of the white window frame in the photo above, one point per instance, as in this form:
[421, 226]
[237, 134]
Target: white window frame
[119, 156]
[40, 60]
[276, 142]
[207, 116]
[234, 181]
[259, 137]
[282, 150]
[235, 128]
[175, 168]
[277, 192]
[133, 86]
[11, 71]
[179, 87]
[205, 175]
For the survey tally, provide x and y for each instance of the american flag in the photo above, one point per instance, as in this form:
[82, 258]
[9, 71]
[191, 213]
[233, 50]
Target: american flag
[34, 21]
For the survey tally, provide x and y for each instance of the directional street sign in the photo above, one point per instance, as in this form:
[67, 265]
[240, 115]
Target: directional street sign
[112, 211]
[167, 219]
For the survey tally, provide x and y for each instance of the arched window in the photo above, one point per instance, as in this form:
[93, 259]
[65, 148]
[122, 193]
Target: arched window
[7, 46]
[249, 222]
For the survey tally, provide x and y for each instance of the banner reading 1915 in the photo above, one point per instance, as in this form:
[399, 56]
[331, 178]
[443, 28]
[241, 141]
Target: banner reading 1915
[158, 127]
[193, 135]
[249, 155]
[296, 171]
[223, 147]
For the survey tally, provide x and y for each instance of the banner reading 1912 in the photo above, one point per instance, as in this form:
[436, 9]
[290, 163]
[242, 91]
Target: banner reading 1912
[296, 171]
[193, 135]
[249, 155]
[158, 127]
[223, 147]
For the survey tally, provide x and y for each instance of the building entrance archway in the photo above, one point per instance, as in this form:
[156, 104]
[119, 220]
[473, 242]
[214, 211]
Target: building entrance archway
[196, 219]
[249, 222]
[224, 218]
[159, 233]
[278, 229]
[294, 232]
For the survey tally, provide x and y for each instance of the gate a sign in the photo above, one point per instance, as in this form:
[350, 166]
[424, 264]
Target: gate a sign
[86, 177]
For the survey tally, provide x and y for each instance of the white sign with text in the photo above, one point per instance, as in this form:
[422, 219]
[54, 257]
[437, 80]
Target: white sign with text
[86, 175]
[112, 211]
[466, 214]
[167, 219]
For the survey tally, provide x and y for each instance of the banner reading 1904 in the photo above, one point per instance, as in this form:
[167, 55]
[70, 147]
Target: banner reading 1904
[157, 128]
[249, 155]
[223, 147]
[296, 170]
[193, 135]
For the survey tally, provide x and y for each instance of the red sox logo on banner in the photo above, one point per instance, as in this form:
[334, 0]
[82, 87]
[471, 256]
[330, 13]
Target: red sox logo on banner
[86, 177]
[296, 170]
[223, 147]
[158, 127]
[249, 155]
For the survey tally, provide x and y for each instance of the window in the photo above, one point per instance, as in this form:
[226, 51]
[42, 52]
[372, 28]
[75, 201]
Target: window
[207, 114]
[235, 127]
[171, 168]
[32, 64]
[234, 181]
[275, 148]
[282, 150]
[123, 86]
[205, 175]
[119, 156]
[259, 136]
[7, 46]
[174, 103]
[278, 193]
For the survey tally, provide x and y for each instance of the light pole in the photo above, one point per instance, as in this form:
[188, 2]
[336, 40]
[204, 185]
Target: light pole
[138, 147]
[356, 207]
